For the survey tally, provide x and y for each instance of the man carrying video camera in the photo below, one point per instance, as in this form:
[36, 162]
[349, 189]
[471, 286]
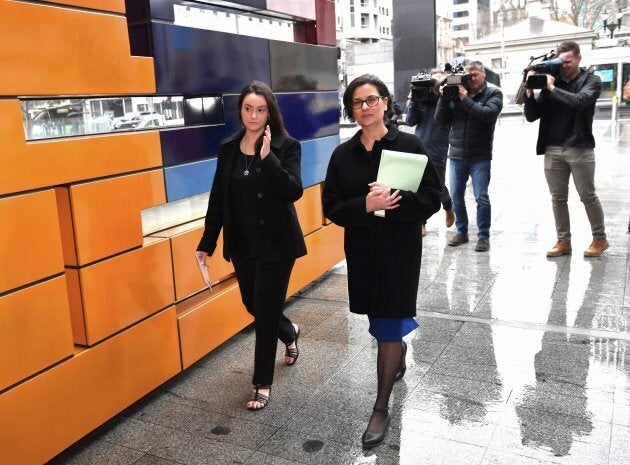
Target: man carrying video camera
[565, 136]
[470, 109]
[421, 112]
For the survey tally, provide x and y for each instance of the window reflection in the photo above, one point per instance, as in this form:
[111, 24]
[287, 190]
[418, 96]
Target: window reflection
[44, 119]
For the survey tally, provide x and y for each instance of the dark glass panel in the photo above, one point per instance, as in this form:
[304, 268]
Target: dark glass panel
[221, 62]
[302, 67]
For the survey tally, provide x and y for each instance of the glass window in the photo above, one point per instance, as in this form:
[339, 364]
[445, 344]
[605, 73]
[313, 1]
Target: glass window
[625, 90]
[79, 116]
[608, 74]
[365, 20]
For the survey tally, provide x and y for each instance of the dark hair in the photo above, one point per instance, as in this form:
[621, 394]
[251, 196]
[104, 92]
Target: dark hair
[383, 91]
[275, 117]
[569, 46]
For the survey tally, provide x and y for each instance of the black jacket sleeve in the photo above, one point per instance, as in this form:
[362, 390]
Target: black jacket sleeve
[214, 214]
[284, 170]
[340, 207]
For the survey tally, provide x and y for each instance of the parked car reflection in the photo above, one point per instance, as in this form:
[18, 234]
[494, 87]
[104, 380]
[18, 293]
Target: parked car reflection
[141, 120]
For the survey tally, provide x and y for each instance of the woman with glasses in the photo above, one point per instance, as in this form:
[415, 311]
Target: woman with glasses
[256, 182]
[382, 253]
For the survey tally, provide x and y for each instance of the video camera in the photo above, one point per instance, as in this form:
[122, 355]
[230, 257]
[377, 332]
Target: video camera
[424, 88]
[549, 63]
[455, 77]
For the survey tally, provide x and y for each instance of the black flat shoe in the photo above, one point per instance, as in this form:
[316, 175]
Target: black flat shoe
[372, 439]
[295, 352]
[403, 364]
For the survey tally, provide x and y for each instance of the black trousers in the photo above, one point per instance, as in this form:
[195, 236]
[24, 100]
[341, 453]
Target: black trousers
[263, 291]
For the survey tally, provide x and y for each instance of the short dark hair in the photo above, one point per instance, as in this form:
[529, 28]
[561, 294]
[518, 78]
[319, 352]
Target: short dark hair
[383, 91]
[569, 46]
[276, 124]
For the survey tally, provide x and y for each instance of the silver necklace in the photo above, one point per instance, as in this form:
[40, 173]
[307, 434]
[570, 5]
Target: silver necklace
[247, 165]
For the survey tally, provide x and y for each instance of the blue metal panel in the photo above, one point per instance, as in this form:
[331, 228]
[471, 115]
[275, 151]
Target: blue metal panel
[310, 115]
[315, 157]
[191, 60]
[190, 144]
[302, 67]
[187, 180]
[185, 145]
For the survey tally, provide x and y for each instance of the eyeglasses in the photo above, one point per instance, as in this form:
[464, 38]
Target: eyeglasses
[371, 101]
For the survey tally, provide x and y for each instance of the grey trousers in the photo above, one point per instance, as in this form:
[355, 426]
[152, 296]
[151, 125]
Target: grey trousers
[560, 164]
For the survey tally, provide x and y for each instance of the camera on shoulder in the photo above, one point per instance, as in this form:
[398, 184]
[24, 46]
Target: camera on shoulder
[549, 63]
[424, 88]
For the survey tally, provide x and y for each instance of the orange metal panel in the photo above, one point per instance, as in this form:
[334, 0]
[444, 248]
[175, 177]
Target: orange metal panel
[325, 249]
[184, 241]
[117, 6]
[106, 213]
[205, 324]
[35, 331]
[74, 298]
[65, 224]
[122, 290]
[48, 50]
[33, 165]
[46, 414]
[309, 209]
[30, 241]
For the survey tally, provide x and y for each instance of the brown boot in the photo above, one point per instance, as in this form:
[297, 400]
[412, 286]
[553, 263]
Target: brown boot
[597, 247]
[561, 248]
[450, 217]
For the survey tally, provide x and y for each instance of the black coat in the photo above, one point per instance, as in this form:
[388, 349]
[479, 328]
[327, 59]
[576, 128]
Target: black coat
[383, 254]
[472, 123]
[561, 107]
[280, 237]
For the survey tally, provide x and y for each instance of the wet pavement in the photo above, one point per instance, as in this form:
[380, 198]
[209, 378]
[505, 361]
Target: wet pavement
[520, 358]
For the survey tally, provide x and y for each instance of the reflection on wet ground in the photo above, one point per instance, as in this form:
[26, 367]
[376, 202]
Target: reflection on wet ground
[520, 359]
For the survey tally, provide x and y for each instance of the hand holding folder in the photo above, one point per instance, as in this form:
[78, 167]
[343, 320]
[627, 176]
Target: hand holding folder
[400, 170]
[203, 268]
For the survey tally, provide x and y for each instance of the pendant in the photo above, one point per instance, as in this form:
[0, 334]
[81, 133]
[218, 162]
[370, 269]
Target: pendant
[246, 173]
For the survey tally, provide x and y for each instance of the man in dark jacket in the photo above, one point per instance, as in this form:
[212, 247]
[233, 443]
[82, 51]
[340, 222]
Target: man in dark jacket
[421, 113]
[472, 117]
[565, 135]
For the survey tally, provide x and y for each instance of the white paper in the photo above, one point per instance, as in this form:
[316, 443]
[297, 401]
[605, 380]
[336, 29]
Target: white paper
[203, 268]
[400, 170]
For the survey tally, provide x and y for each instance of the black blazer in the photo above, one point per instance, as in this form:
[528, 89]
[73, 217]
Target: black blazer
[279, 233]
[383, 255]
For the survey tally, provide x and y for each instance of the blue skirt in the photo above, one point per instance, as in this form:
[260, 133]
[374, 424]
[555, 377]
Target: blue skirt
[391, 329]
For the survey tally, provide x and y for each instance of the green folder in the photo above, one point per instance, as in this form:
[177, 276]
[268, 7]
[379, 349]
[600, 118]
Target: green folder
[401, 170]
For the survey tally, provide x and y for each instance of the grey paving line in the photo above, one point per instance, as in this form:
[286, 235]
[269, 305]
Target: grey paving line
[529, 325]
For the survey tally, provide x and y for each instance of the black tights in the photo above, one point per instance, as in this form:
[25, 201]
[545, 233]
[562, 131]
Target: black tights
[387, 364]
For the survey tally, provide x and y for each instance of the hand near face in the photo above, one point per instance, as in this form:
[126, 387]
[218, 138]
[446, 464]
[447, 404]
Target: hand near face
[381, 198]
[266, 144]
[551, 81]
[463, 93]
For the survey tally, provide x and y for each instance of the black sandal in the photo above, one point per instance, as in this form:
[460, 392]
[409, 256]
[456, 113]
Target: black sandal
[258, 397]
[295, 352]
